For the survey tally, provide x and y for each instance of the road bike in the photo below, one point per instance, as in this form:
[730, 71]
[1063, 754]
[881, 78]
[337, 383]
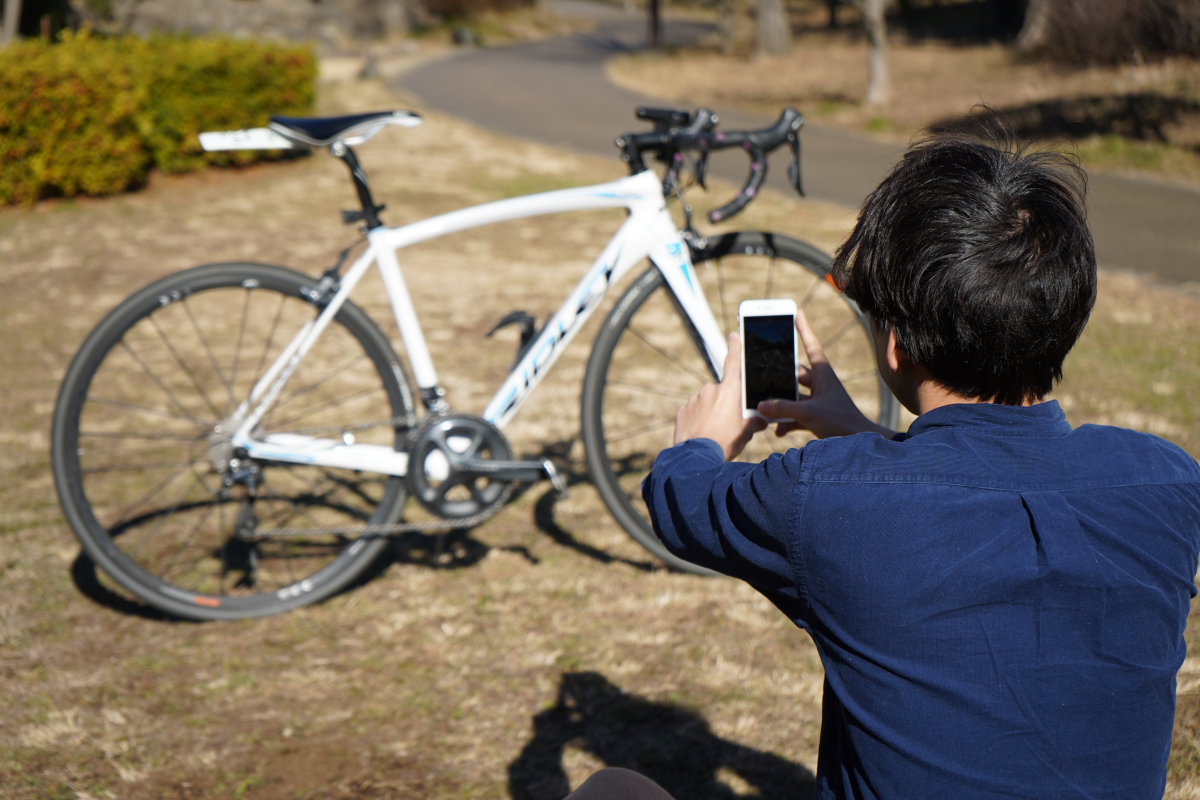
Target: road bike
[240, 439]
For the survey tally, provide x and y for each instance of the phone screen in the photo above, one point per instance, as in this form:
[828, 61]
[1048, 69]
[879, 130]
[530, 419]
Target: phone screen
[770, 348]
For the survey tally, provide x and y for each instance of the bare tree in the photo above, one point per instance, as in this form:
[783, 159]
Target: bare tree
[879, 87]
[774, 31]
[12, 18]
[1037, 24]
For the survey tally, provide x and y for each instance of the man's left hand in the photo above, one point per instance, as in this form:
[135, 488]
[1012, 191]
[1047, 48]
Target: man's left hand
[716, 412]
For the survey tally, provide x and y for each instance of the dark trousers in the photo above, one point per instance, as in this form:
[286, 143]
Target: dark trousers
[615, 783]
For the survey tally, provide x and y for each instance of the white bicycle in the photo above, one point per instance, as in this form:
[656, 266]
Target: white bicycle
[239, 439]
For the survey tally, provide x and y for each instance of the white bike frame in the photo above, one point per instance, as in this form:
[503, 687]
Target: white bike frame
[648, 231]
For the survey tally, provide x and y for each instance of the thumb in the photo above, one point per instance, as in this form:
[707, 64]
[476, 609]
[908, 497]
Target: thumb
[812, 345]
[732, 371]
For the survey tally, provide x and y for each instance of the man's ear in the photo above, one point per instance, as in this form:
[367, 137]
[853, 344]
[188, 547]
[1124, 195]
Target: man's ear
[897, 360]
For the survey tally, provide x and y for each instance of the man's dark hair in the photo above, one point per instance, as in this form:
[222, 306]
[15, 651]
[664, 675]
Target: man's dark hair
[976, 252]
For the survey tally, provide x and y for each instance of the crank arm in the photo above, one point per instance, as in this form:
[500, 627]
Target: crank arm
[517, 471]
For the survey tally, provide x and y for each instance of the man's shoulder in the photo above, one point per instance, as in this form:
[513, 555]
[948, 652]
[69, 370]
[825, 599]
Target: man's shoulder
[1137, 450]
[1087, 456]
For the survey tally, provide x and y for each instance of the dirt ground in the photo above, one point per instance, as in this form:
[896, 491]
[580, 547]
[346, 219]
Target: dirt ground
[508, 662]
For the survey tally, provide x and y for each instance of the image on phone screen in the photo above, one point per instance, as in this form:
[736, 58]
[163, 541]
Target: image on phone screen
[770, 359]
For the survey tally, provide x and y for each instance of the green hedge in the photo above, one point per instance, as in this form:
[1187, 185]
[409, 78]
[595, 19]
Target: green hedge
[93, 115]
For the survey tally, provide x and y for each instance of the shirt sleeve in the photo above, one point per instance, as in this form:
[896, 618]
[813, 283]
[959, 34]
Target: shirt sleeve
[731, 518]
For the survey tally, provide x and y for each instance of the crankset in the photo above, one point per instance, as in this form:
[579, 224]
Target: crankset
[461, 466]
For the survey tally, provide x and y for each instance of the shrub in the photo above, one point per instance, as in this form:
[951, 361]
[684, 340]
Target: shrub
[93, 115]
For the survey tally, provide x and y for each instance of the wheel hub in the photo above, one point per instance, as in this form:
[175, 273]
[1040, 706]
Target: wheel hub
[220, 444]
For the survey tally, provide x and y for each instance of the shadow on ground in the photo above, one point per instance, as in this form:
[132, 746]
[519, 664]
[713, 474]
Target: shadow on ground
[670, 744]
[1144, 116]
[964, 22]
[453, 549]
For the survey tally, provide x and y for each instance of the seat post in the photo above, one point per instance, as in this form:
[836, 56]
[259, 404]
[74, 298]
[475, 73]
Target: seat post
[370, 211]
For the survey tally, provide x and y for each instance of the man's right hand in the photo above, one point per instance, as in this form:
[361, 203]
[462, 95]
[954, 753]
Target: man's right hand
[828, 409]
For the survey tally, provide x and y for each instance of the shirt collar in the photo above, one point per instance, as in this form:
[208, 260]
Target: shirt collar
[1041, 419]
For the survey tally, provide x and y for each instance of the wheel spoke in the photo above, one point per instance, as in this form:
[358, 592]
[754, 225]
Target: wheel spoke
[158, 382]
[162, 437]
[204, 426]
[642, 338]
[849, 326]
[647, 389]
[212, 359]
[191, 376]
[283, 424]
[303, 390]
[654, 426]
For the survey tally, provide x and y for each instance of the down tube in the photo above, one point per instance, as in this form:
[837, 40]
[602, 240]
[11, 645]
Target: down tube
[630, 245]
[675, 264]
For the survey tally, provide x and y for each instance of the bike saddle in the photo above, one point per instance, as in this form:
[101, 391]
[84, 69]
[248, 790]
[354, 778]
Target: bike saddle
[350, 130]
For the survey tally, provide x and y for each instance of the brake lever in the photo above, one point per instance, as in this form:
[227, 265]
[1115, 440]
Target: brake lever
[794, 166]
[700, 168]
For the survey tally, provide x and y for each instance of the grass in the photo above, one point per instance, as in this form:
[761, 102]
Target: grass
[541, 645]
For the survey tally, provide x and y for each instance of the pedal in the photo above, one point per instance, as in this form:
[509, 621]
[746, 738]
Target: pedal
[556, 479]
[526, 323]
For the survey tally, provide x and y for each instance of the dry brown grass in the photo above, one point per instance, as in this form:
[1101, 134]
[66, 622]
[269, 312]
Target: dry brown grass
[509, 662]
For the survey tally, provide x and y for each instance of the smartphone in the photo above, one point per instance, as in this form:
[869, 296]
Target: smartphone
[768, 332]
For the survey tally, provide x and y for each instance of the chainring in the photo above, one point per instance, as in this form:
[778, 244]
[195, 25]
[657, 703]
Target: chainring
[437, 485]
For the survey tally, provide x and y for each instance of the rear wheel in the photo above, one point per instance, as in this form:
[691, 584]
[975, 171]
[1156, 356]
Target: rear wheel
[647, 361]
[146, 474]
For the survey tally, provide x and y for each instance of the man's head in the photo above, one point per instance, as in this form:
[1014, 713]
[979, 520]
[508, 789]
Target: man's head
[976, 254]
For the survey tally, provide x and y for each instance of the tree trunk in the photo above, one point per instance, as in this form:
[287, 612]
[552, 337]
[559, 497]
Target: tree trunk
[395, 18]
[1036, 26]
[727, 24]
[879, 87]
[12, 18]
[774, 32]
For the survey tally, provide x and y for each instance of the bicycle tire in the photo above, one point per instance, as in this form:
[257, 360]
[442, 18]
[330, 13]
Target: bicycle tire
[140, 466]
[647, 360]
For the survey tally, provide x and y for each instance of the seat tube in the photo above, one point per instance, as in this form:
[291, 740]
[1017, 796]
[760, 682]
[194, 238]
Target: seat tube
[406, 316]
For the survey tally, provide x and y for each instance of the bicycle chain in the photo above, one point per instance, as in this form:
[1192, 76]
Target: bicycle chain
[381, 530]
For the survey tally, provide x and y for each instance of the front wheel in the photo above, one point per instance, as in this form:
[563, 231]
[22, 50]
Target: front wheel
[147, 476]
[648, 360]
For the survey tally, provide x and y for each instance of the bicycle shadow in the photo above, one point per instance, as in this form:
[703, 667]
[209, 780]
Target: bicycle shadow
[672, 745]
[543, 509]
[86, 577]
[456, 548]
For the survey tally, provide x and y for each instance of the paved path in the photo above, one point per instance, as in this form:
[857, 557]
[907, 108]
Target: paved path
[555, 91]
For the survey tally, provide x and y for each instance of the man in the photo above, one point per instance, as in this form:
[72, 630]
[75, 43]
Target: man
[998, 600]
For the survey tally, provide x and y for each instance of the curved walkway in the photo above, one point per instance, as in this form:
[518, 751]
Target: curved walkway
[556, 91]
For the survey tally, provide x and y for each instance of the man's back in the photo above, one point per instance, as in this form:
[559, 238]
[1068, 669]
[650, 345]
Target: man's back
[999, 601]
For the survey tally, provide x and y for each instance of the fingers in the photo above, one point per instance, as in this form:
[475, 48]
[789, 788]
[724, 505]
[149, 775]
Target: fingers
[782, 409]
[812, 345]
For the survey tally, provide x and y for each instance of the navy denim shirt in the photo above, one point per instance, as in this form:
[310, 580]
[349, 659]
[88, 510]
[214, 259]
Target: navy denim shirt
[998, 600]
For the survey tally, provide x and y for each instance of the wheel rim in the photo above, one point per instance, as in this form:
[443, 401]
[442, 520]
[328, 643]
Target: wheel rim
[656, 364]
[157, 484]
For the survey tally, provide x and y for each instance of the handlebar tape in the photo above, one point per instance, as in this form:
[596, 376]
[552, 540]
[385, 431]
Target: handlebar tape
[695, 137]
